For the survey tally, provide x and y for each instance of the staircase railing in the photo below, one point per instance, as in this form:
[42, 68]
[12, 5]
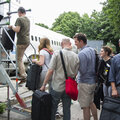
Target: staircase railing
[15, 66]
[15, 45]
[7, 55]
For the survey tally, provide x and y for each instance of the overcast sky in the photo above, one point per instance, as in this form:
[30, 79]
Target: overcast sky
[46, 11]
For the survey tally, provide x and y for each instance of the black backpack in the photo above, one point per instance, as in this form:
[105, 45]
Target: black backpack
[6, 42]
[97, 60]
[33, 77]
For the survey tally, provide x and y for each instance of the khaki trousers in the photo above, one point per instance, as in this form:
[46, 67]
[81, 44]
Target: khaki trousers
[20, 53]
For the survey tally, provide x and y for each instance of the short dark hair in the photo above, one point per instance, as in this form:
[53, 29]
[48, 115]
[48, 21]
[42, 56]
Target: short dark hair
[81, 36]
[21, 10]
[107, 49]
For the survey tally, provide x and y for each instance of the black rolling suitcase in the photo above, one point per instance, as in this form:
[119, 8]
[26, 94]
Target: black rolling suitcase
[110, 109]
[6, 42]
[41, 105]
[33, 77]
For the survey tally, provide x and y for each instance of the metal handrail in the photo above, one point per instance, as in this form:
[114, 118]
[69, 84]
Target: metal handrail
[16, 55]
[15, 45]
[34, 49]
[7, 54]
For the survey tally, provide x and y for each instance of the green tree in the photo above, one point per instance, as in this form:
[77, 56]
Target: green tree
[91, 26]
[85, 25]
[111, 9]
[67, 23]
[113, 13]
[42, 25]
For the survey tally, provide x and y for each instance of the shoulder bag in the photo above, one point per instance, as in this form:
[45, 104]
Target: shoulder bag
[70, 84]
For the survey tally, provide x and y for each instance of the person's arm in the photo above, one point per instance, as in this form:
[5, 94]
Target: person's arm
[114, 90]
[41, 60]
[47, 78]
[83, 63]
[14, 28]
[112, 79]
[51, 69]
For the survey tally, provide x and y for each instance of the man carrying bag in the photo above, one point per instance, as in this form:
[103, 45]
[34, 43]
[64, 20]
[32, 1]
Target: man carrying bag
[111, 105]
[58, 80]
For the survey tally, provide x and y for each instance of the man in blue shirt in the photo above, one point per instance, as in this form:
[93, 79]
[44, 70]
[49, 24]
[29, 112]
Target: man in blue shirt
[114, 75]
[86, 76]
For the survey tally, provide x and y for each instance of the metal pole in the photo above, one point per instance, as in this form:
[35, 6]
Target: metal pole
[16, 55]
[9, 9]
[0, 47]
[8, 102]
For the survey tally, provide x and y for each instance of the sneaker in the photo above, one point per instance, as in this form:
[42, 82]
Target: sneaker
[22, 81]
[21, 77]
[58, 116]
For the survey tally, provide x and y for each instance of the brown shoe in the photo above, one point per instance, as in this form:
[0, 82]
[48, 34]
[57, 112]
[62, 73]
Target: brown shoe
[22, 81]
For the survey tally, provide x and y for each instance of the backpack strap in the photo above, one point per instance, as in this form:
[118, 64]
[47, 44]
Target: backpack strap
[96, 62]
[51, 53]
[63, 64]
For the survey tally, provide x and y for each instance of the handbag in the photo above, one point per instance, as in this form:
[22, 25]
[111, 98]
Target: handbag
[110, 109]
[70, 84]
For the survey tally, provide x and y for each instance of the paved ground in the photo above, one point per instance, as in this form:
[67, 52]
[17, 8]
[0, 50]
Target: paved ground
[76, 112]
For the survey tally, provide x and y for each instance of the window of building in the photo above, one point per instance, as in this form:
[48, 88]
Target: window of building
[39, 39]
[35, 38]
[59, 44]
[54, 42]
[32, 37]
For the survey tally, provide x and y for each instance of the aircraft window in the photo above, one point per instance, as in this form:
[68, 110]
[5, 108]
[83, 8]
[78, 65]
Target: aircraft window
[32, 37]
[35, 38]
[57, 43]
[39, 38]
[54, 42]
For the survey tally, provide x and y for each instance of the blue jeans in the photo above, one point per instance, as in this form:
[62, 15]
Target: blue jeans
[107, 90]
[66, 101]
[118, 89]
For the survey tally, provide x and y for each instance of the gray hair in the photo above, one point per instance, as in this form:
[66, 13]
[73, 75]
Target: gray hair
[67, 40]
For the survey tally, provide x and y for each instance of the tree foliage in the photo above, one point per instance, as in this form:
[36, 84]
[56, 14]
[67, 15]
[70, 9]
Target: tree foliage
[67, 23]
[42, 25]
[90, 25]
[112, 10]
[104, 25]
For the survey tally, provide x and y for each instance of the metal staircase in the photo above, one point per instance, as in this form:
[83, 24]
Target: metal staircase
[21, 103]
[21, 106]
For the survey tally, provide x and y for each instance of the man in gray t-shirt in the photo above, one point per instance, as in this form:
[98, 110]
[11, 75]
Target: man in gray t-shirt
[22, 28]
[58, 79]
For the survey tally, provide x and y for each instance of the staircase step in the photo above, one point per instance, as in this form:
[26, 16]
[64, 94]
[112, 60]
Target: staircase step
[10, 68]
[14, 78]
[7, 60]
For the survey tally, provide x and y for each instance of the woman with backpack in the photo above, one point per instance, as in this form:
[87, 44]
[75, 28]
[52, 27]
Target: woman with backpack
[45, 54]
[103, 70]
